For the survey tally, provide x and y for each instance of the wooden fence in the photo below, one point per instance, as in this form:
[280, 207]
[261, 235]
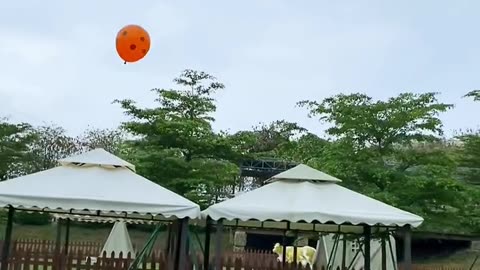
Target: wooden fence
[42, 255]
[47, 246]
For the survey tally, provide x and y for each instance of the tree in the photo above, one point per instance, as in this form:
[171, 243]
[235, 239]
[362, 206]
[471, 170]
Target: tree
[275, 136]
[475, 94]
[391, 150]
[24, 150]
[214, 183]
[308, 148]
[381, 124]
[174, 141]
[266, 140]
[369, 132]
[51, 144]
[14, 147]
[112, 140]
[469, 157]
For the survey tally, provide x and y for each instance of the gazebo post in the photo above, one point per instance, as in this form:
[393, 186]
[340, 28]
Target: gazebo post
[392, 254]
[367, 231]
[169, 237]
[294, 244]
[344, 252]
[295, 251]
[58, 237]
[407, 248]
[206, 254]
[8, 238]
[284, 253]
[173, 247]
[58, 245]
[67, 236]
[181, 260]
[384, 250]
[218, 245]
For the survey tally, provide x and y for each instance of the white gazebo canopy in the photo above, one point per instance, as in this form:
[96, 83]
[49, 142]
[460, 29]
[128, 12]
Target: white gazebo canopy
[303, 194]
[95, 183]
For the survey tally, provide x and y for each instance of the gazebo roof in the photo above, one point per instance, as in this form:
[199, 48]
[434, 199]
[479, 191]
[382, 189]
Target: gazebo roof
[97, 183]
[97, 157]
[303, 194]
[304, 173]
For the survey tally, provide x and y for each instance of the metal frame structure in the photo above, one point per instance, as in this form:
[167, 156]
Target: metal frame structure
[384, 238]
[368, 232]
[264, 169]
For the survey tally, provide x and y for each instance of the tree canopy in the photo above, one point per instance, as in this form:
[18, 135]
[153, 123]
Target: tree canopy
[189, 157]
[475, 94]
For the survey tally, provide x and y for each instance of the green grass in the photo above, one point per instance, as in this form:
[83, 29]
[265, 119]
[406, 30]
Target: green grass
[97, 234]
[48, 232]
[461, 258]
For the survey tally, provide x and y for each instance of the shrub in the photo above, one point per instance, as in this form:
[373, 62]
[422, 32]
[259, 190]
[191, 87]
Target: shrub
[25, 218]
[3, 216]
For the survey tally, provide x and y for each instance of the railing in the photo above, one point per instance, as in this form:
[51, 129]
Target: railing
[45, 255]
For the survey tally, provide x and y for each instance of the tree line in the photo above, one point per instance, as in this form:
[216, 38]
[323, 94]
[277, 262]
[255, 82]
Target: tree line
[393, 150]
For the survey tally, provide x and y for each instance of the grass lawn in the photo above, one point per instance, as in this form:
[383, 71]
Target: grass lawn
[460, 258]
[96, 234]
[48, 232]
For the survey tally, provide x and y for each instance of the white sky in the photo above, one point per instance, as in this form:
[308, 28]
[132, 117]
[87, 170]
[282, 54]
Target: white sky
[59, 62]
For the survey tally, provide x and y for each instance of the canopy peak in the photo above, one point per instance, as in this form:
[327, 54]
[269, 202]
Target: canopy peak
[303, 172]
[98, 157]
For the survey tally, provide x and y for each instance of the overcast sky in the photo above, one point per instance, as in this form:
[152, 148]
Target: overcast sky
[59, 64]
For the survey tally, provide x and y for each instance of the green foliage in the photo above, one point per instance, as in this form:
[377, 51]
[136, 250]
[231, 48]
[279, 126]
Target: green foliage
[475, 94]
[25, 218]
[3, 216]
[381, 124]
[389, 150]
[176, 146]
[212, 180]
[266, 140]
[112, 140]
[183, 119]
[48, 144]
[14, 147]
[470, 157]
[307, 149]
[51, 143]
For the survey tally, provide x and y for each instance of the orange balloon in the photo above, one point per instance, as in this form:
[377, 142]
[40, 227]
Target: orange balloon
[132, 43]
